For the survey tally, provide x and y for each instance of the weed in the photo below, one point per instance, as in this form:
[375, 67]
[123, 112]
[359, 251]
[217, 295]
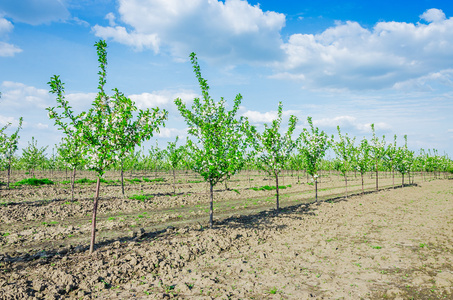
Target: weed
[141, 197]
[159, 179]
[33, 181]
[273, 291]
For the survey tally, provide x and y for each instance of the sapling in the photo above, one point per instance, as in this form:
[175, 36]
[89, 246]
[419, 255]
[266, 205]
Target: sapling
[174, 155]
[33, 156]
[219, 141]
[363, 159]
[377, 152]
[8, 146]
[272, 148]
[404, 159]
[345, 151]
[313, 146]
[108, 129]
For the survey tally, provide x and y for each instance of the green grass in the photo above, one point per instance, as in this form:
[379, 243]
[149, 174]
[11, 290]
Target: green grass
[33, 181]
[159, 179]
[134, 180]
[270, 188]
[141, 197]
[194, 181]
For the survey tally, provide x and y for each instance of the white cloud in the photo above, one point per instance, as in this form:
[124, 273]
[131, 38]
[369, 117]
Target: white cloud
[5, 48]
[135, 39]
[267, 117]
[8, 49]
[21, 97]
[349, 122]
[433, 15]
[348, 55]
[111, 17]
[426, 83]
[216, 30]
[5, 26]
[6, 120]
[161, 99]
[35, 12]
[42, 126]
[165, 132]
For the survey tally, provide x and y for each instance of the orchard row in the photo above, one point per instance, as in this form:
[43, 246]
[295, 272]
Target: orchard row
[220, 142]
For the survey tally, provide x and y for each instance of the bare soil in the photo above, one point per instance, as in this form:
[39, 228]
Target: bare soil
[394, 244]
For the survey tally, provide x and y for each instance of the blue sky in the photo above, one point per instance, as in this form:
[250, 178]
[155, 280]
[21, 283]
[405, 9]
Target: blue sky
[348, 63]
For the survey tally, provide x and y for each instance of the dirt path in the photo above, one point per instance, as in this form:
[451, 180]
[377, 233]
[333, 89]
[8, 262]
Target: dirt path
[395, 244]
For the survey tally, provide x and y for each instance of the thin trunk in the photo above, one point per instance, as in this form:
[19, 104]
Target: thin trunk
[393, 177]
[276, 187]
[72, 184]
[9, 173]
[363, 189]
[95, 209]
[402, 180]
[122, 178]
[174, 181]
[346, 184]
[211, 205]
[377, 181]
[316, 191]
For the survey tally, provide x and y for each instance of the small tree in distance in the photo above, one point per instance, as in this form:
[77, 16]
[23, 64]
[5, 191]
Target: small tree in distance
[313, 145]
[219, 147]
[272, 148]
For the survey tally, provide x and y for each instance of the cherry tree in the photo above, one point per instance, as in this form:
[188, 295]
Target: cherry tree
[272, 148]
[219, 144]
[108, 129]
[313, 145]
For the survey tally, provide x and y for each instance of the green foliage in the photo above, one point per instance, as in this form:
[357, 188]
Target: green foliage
[345, 151]
[220, 142]
[33, 181]
[271, 147]
[270, 188]
[108, 130]
[159, 179]
[313, 146]
[141, 197]
[33, 156]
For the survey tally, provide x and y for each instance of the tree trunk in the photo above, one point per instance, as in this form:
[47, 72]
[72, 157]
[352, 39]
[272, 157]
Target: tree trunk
[363, 189]
[316, 191]
[276, 187]
[72, 184]
[95, 209]
[393, 178]
[9, 173]
[346, 184]
[211, 205]
[377, 181]
[402, 180]
[174, 182]
[122, 178]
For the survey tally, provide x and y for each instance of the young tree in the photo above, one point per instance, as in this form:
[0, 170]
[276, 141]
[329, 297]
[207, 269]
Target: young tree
[363, 160]
[404, 159]
[71, 152]
[390, 157]
[219, 149]
[174, 155]
[104, 129]
[377, 148]
[313, 145]
[273, 149]
[8, 146]
[345, 151]
[33, 156]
